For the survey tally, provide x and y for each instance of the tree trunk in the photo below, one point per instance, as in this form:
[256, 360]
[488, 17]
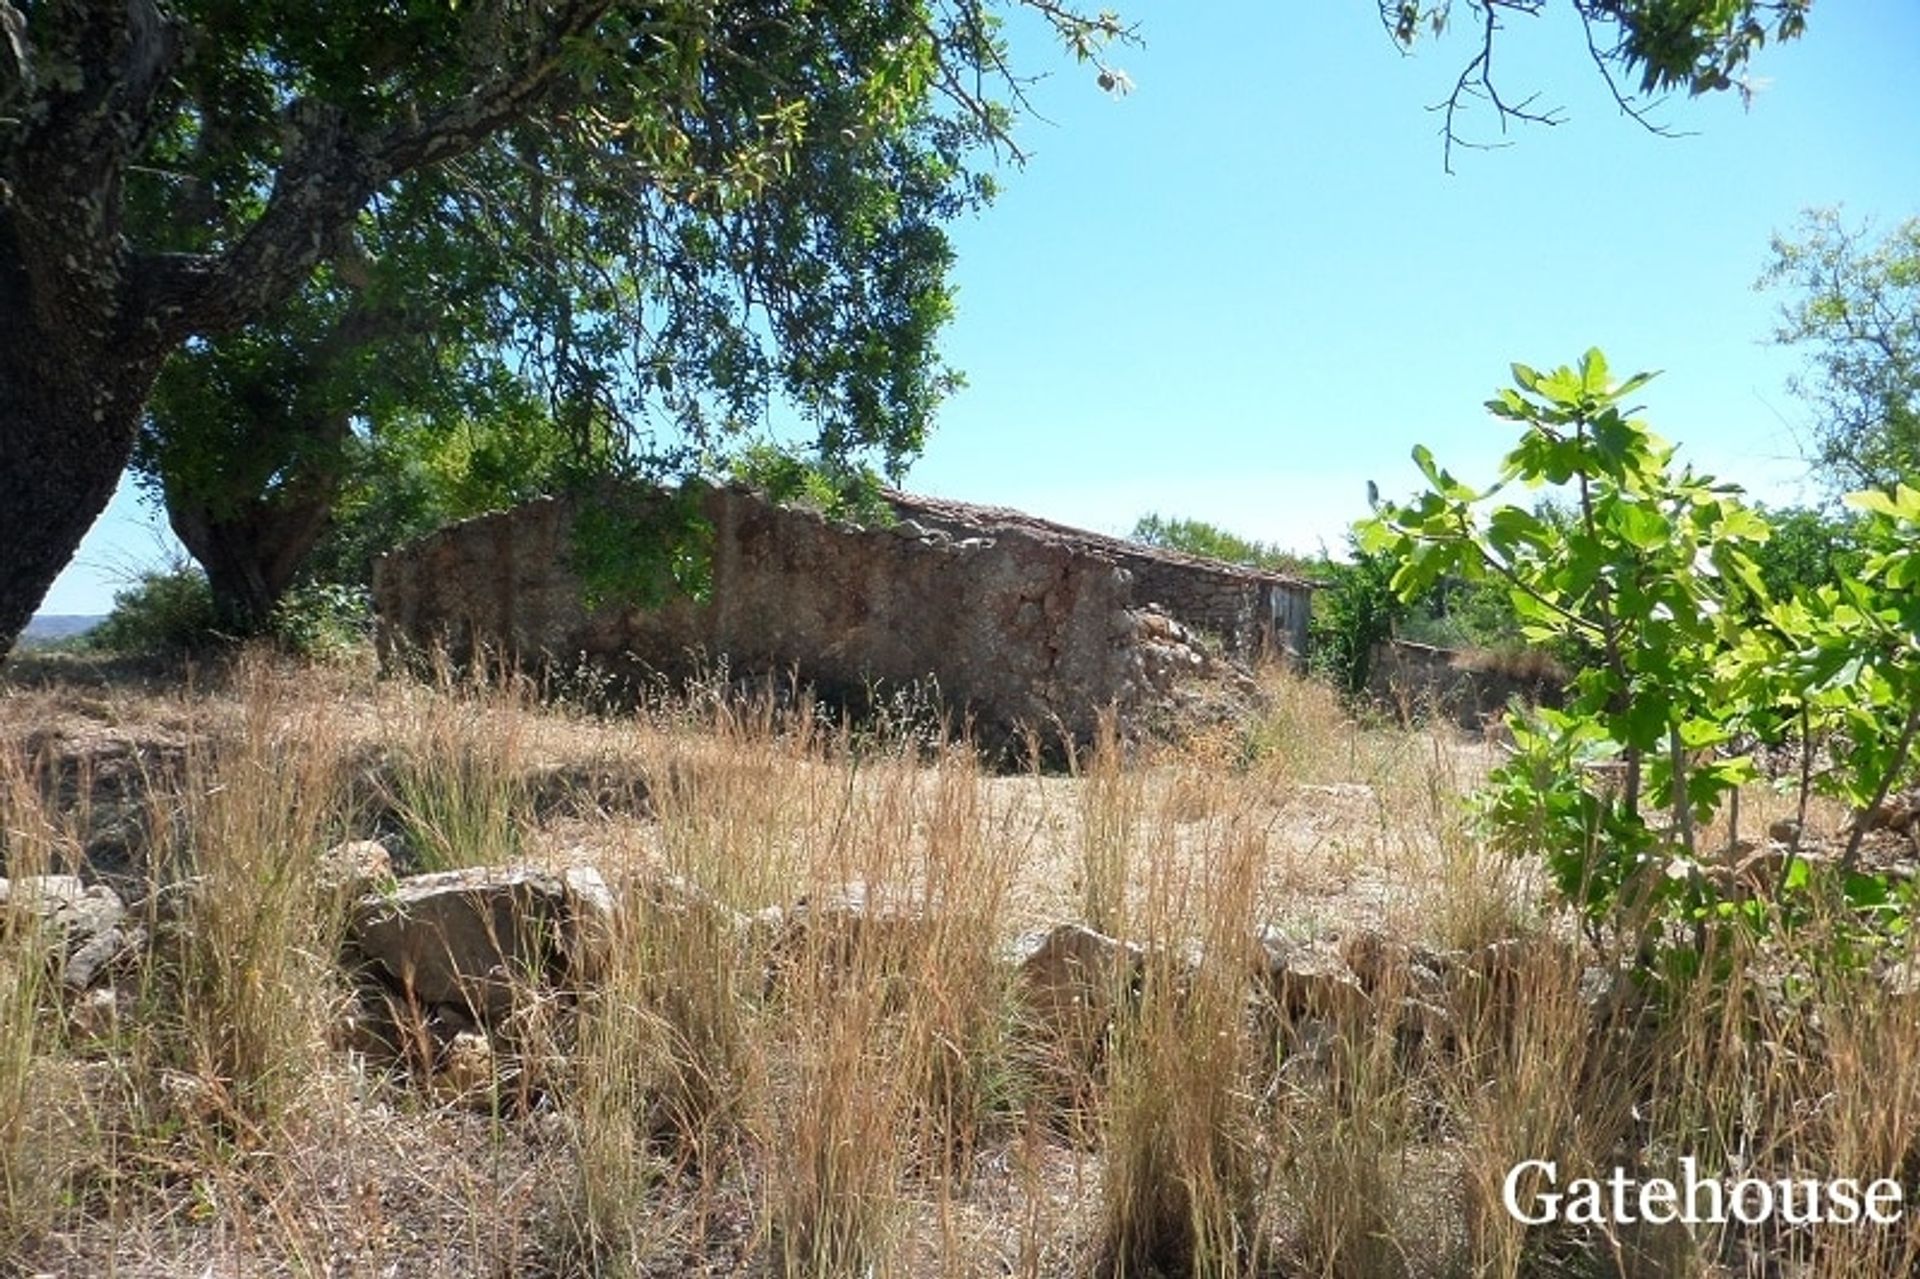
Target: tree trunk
[71, 390]
[252, 554]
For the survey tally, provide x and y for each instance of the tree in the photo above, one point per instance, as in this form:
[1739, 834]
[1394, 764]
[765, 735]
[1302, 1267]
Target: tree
[1197, 537]
[251, 439]
[1656, 46]
[1654, 572]
[1811, 547]
[1855, 307]
[172, 175]
[824, 278]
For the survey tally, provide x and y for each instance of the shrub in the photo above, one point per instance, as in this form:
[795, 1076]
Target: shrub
[1354, 611]
[320, 619]
[1657, 574]
[167, 611]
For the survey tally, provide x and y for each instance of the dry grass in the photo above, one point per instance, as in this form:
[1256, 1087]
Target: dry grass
[859, 1089]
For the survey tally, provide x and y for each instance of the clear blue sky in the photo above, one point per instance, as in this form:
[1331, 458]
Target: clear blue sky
[1248, 288]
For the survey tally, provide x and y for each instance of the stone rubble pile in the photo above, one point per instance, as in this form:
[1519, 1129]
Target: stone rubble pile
[460, 951]
[448, 964]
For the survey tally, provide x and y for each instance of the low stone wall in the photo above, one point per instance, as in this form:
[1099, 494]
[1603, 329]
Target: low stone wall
[1017, 630]
[1465, 686]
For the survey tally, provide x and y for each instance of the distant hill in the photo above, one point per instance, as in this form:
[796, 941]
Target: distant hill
[46, 628]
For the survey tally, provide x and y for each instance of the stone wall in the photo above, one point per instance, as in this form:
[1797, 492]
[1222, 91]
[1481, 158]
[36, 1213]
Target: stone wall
[1015, 627]
[1467, 686]
[1253, 613]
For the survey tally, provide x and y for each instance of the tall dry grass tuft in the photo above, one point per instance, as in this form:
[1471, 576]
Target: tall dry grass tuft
[1110, 816]
[246, 986]
[961, 1063]
[460, 767]
[1339, 1185]
[833, 1184]
[1792, 1065]
[641, 1096]
[1541, 1071]
[666, 1070]
[1306, 733]
[1867, 1108]
[838, 1102]
[42, 1124]
[1179, 1191]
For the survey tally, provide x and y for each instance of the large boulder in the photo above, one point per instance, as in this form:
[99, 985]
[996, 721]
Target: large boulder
[1070, 980]
[472, 938]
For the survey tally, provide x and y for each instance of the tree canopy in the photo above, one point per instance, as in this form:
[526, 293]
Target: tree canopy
[652, 217]
[1854, 306]
[642, 298]
[1198, 537]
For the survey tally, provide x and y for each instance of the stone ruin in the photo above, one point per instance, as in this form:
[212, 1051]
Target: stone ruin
[1470, 687]
[1017, 624]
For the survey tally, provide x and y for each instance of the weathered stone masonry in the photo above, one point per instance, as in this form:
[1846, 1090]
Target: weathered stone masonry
[1017, 622]
[1250, 611]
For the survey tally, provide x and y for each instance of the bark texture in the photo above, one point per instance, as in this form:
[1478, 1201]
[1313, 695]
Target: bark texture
[70, 398]
[253, 554]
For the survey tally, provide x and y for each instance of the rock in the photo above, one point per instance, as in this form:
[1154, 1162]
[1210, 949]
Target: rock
[1786, 831]
[1340, 791]
[470, 937]
[355, 868]
[89, 961]
[87, 923]
[466, 1070]
[841, 925]
[1901, 980]
[1759, 870]
[1511, 968]
[1309, 979]
[192, 1098]
[64, 901]
[1381, 964]
[1069, 980]
[1602, 988]
[173, 903]
[355, 1031]
[95, 1015]
[1895, 813]
[1423, 1023]
[588, 944]
[1309, 1045]
[672, 896]
[765, 927]
[1429, 972]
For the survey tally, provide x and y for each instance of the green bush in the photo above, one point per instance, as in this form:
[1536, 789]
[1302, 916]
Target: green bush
[167, 611]
[320, 620]
[837, 490]
[1354, 610]
[1659, 574]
